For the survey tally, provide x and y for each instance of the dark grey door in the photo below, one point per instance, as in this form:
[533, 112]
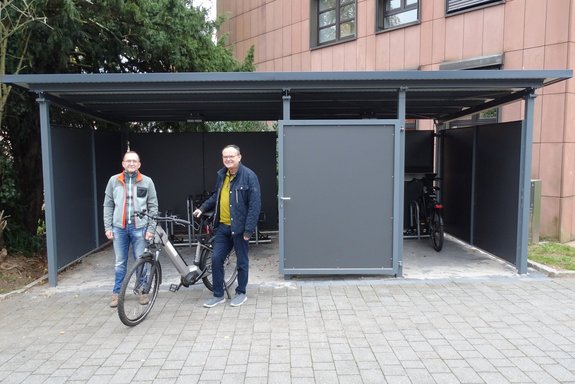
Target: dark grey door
[336, 197]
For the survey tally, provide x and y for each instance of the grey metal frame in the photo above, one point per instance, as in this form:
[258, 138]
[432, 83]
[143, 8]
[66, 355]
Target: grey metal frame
[525, 184]
[47, 175]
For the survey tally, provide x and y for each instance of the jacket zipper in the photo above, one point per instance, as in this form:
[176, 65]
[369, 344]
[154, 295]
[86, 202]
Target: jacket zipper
[130, 200]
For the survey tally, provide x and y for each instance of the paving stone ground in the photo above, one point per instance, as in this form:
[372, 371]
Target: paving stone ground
[491, 328]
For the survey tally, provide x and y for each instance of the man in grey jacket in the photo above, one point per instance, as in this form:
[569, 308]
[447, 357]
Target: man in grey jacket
[127, 193]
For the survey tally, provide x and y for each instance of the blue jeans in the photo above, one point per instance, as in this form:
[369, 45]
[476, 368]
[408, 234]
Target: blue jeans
[223, 243]
[123, 238]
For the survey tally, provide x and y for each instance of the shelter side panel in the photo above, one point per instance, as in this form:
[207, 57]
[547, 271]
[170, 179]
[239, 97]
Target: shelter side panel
[456, 194]
[175, 163]
[73, 194]
[108, 161]
[497, 197]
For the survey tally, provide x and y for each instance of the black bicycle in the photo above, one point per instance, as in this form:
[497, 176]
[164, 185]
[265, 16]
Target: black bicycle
[426, 212]
[140, 288]
[432, 210]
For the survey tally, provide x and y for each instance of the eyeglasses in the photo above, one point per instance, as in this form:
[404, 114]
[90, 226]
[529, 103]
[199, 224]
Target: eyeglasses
[229, 157]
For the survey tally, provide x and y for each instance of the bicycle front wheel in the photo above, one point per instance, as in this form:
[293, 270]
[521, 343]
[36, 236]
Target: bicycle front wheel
[230, 268]
[139, 291]
[436, 231]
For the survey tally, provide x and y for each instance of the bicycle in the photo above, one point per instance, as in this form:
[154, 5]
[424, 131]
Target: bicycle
[432, 210]
[426, 213]
[140, 288]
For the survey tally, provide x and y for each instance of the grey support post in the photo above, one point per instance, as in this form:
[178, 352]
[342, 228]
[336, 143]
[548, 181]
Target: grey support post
[48, 176]
[525, 184]
[286, 100]
[399, 182]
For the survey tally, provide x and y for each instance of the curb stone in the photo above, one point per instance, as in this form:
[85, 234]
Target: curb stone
[549, 271]
[38, 281]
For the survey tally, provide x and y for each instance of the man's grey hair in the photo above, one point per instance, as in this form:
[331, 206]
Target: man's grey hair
[234, 147]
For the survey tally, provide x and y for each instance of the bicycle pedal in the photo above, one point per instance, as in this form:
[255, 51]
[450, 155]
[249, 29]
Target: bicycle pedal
[175, 287]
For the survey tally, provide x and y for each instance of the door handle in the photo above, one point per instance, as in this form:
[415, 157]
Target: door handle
[285, 198]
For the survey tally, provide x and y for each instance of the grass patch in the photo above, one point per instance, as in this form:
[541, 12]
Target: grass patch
[555, 255]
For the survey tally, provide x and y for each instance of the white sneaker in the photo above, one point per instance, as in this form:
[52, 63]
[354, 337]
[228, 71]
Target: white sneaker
[238, 299]
[212, 302]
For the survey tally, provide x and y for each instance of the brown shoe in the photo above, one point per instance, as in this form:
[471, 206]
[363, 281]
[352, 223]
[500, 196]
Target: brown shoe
[114, 302]
[144, 299]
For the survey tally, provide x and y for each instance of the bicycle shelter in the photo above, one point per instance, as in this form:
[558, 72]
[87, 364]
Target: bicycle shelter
[341, 154]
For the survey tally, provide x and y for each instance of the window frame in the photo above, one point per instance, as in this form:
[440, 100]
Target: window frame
[382, 14]
[460, 6]
[476, 119]
[315, 29]
[490, 62]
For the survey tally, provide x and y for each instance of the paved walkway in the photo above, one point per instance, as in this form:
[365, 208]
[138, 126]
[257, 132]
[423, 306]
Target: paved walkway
[494, 328]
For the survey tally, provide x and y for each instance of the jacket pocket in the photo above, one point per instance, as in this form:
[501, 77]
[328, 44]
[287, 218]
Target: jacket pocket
[141, 192]
[241, 192]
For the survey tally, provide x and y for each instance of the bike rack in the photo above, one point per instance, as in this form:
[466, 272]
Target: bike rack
[414, 230]
[191, 240]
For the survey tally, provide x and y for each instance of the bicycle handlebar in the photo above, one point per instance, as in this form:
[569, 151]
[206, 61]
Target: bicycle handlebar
[175, 220]
[141, 214]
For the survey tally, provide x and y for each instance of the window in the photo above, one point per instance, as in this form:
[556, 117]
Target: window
[333, 21]
[410, 124]
[493, 62]
[490, 116]
[452, 6]
[396, 13]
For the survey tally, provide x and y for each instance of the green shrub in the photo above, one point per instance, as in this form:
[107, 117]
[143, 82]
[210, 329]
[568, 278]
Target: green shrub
[18, 240]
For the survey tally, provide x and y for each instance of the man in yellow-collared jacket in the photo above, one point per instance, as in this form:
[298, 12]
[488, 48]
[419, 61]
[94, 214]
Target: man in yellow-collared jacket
[237, 204]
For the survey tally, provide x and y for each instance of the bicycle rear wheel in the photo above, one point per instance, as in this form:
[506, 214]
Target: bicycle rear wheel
[230, 268]
[436, 231]
[139, 291]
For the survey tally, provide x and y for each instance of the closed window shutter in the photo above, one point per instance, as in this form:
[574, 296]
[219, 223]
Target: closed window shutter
[458, 5]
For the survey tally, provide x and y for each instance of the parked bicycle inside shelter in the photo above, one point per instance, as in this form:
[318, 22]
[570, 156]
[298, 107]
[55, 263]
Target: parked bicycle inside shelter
[426, 212]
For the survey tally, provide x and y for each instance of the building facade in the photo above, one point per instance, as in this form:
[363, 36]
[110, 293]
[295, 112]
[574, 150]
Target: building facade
[428, 35]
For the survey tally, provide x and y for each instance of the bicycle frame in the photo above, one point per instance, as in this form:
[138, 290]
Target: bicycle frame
[433, 214]
[189, 273]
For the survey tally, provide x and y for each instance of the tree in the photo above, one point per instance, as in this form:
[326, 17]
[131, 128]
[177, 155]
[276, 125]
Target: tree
[94, 37]
[15, 16]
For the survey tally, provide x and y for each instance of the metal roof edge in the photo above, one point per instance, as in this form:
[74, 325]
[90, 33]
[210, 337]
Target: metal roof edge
[545, 75]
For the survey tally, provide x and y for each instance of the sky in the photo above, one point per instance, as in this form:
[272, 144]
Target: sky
[210, 5]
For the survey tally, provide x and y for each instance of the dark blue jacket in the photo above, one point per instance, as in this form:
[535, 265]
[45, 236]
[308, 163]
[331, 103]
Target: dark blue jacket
[245, 201]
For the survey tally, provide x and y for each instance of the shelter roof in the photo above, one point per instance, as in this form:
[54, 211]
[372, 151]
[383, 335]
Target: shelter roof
[233, 96]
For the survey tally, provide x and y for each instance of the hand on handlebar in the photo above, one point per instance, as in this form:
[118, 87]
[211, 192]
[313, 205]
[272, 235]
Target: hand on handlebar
[197, 213]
